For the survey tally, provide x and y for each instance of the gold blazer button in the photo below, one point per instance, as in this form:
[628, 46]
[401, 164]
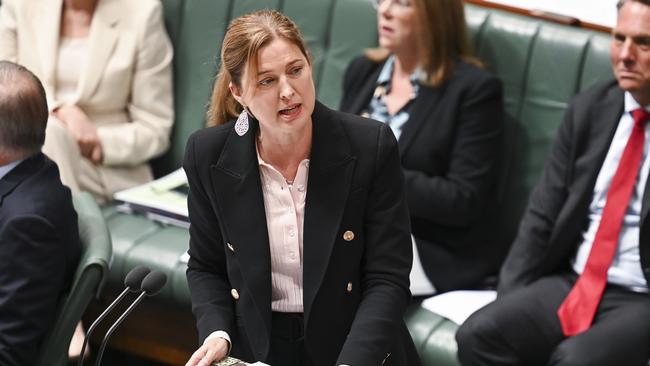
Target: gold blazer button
[235, 294]
[348, 235]
[349, 288]
[232, 249]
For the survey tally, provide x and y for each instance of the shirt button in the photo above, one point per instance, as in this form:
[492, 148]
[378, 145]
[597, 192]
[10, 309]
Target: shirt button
[348, 235]
[232, 249]
[291, 233]
[349, 288]
[234, 294]
[301, 188]
[292, 255]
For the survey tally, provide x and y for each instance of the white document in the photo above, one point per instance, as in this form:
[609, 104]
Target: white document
[420, 284]
[166, 195]
[457, 306]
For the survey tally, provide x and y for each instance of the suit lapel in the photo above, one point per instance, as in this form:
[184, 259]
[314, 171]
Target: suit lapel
[601, 126]
[421, 113]
[237, 186]
[360, 103]
[49, 24]
[101, 41]
[330, 175]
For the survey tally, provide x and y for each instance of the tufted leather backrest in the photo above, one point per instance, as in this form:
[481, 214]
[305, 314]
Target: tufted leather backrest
[542, 65]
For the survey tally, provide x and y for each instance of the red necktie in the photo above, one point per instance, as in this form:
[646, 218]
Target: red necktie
[578, 309]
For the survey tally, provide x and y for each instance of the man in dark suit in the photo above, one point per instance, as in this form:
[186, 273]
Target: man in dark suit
[39, 242]
[574, 288]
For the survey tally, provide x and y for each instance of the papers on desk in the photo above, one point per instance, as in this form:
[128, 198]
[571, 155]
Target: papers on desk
[163, 200]
[231, 361]
[457, 306]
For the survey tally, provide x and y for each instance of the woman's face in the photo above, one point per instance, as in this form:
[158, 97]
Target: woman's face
[281, 94]
[396, 25]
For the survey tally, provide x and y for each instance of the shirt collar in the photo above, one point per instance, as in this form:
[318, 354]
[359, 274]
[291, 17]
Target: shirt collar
[5, 169]
[631, 103]
[261, 161]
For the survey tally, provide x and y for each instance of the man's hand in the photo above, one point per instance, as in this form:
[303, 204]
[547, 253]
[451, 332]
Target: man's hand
[82, 130]
[212, 350]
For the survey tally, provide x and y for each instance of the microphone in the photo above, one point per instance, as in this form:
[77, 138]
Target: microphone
[132, 282]
[151, 285]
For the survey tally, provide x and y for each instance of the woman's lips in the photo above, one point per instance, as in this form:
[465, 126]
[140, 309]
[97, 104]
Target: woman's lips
[386, 30]
[291, 111]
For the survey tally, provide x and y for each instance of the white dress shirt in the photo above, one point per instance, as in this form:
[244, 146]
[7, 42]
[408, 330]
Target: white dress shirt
[626, 267]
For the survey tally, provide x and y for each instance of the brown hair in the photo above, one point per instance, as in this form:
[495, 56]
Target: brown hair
[245, 36]
[442, 32]
[23, 111]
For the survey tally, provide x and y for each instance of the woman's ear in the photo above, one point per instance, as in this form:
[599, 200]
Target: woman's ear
[236, 93]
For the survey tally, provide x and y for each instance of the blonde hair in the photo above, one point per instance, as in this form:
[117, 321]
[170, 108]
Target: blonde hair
[245, 36]
[443, 34]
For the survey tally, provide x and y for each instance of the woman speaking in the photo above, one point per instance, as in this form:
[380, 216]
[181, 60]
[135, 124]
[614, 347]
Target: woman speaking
[299, 241]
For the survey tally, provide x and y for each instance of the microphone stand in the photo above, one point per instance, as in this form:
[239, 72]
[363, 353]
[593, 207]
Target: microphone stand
[114, 326]
[97, 321]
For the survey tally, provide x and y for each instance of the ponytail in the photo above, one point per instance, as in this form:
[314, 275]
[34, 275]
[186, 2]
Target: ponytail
[223, 106]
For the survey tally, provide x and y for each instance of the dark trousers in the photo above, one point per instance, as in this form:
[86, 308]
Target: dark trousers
[288, 340]
[522, 328]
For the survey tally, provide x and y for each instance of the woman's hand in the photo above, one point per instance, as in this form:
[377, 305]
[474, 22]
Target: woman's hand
[82, 130]
[212, 350]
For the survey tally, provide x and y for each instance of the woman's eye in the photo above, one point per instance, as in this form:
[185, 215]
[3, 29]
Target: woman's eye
[296, 71]
[266, 82]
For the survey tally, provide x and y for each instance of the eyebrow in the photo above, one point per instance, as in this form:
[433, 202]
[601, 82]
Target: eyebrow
[291, 63]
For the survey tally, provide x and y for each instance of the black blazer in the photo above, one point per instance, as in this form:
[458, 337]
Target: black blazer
[557, 213]
[39, 250]
[354, 184]
[450, 151]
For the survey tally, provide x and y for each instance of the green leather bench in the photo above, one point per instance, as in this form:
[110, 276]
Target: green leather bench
[541, 64]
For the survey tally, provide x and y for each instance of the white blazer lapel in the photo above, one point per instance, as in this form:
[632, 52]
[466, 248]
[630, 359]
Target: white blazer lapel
[101, 41]
[48, 17]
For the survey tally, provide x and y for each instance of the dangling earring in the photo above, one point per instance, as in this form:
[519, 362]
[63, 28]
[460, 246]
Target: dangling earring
[241, 126]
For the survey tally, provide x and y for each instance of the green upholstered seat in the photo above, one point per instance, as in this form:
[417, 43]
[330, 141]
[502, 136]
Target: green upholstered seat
[91, 272]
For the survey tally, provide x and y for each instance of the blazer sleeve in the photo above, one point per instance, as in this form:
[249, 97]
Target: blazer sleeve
[356, 75]
[151, 102]
[8, 39]
[386, 263]
[206, 269]
[523, 263]
[458, 198]
[30, 288]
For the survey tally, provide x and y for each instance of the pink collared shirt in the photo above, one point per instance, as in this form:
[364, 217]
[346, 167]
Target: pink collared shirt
[284, 203]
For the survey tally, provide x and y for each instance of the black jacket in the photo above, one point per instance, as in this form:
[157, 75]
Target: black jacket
[450, 156]
[39, 251]
[354, 184]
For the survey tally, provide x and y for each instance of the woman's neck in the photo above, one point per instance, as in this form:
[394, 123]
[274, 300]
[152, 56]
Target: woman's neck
[405, 63]
[285, 151]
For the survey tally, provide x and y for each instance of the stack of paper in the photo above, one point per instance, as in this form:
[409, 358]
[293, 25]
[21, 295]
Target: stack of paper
[164, 199]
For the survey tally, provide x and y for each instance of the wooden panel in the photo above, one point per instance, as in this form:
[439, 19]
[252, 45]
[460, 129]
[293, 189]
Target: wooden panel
[548, 16]
[162, 332]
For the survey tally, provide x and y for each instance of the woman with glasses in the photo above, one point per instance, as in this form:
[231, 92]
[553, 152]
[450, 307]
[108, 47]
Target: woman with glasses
[446, 112]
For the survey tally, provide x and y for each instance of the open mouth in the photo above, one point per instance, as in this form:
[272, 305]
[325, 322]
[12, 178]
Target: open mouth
[290, 111]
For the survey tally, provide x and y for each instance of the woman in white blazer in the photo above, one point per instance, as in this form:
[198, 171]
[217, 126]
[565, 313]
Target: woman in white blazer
[106, 68]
